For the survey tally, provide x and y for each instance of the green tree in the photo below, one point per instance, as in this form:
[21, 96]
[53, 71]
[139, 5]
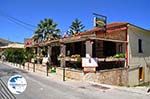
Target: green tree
[15, 55]
[29, 54]
[76, 27]
[47, 28]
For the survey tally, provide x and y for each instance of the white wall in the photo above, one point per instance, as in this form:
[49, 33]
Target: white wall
[137, 59]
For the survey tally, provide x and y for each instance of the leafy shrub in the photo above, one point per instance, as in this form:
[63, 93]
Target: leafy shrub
[120, 55]
[29, 55]
[15, 55]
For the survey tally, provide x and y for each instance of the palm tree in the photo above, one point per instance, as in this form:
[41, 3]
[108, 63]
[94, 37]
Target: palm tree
[38, 36]
[47, 29]
[76, 27]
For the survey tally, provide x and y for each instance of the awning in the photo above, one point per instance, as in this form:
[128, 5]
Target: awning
[13, 45]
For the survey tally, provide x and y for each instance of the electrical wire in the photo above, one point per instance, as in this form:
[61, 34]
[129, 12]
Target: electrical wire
[20, 24]
[17, 21]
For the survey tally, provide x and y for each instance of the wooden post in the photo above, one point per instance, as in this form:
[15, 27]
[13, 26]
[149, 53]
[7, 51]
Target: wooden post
[63, 63]
[47, 69]
[28, 65]
[64, 73]
[33, 67]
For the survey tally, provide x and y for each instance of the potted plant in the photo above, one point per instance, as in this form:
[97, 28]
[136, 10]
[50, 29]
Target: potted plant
[76, 57]
[61, 56]
[119, 55]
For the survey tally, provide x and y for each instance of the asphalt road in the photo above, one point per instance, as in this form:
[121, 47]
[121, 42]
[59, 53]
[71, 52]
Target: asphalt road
[42, 87]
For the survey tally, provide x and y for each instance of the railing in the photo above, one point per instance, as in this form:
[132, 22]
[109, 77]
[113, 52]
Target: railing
[4, 92]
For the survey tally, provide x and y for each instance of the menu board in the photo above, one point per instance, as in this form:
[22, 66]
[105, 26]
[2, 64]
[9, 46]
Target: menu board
[89, 62]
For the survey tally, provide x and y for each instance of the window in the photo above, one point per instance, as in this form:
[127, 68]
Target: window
[141, 74]
[140, 45]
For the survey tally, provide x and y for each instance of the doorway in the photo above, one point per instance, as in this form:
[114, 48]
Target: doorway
[54, 55]
[109, 48]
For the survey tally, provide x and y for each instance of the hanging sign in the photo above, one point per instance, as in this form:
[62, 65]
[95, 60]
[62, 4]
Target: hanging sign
[100, 21]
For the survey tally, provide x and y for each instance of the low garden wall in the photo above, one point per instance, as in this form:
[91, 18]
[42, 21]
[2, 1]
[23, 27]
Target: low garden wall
[38, 67]
[112, 76]
[70, 73]
[118, 76]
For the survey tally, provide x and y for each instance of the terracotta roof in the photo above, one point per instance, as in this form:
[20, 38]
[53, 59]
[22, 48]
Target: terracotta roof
[90, 31]
[110, 26]
[116, 24]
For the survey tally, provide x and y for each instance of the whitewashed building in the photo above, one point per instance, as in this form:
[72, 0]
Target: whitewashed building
[138, 55]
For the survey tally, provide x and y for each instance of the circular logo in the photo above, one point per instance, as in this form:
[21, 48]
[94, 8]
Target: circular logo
[17, 84]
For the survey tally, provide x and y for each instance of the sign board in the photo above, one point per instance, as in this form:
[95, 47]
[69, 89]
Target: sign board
[45, 60]
[89, 62]
[100, 21]
[28, 42]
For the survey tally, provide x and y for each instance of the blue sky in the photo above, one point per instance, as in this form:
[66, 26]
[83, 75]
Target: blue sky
[64, 12]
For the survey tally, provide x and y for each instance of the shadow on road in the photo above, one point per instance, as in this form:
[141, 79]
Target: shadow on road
[10, 72]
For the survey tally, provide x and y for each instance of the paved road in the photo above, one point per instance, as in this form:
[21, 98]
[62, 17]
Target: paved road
[42, 87]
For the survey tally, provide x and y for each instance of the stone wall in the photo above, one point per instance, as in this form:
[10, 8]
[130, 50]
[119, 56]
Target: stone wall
[38, 67]
[117, 76]
[112, 77]
[69, 73]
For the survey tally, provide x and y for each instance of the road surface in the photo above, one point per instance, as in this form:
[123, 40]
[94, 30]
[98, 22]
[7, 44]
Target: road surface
[42, 87]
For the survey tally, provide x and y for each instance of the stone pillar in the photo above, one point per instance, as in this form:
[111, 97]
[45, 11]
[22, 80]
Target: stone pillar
[38, 54]
[63, 52]
[89, 64]
[49, 53]
[89, 48]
